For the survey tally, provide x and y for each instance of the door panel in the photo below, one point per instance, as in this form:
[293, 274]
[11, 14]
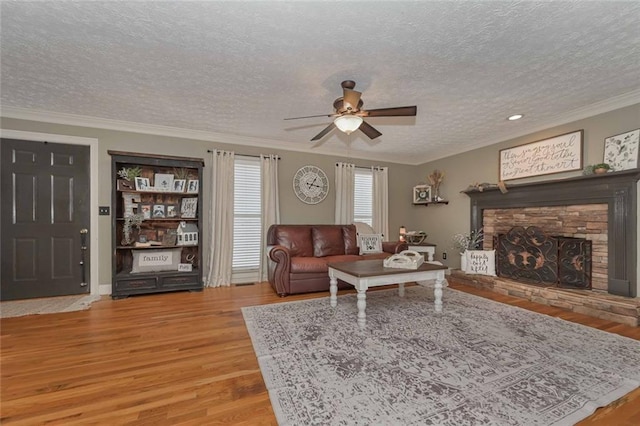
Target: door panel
[45, 205]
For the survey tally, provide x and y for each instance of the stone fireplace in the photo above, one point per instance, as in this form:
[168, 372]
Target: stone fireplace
[601, 209]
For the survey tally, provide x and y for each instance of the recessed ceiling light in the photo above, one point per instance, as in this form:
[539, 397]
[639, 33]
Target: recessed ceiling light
[515, 117]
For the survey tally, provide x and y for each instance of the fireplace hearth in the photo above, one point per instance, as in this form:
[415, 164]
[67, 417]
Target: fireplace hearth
[532, 256]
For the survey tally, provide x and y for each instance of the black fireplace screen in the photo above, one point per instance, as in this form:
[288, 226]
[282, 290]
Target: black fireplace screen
[530, 255]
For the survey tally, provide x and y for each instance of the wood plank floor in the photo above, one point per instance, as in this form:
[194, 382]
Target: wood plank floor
[179, 358]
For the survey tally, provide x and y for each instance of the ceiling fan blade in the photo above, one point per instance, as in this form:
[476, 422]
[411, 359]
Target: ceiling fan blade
[351, 99]
[390, 112]
[324, 132]
[311, 116]
[368, 130]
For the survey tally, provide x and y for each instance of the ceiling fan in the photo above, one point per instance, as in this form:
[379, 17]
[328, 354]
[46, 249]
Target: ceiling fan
[349, 113]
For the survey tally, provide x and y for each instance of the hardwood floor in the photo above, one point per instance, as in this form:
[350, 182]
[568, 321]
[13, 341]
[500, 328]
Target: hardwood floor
[179, 358]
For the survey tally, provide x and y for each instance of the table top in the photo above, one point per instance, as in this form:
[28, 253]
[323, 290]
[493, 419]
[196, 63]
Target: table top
[424, 244]
[371, 268]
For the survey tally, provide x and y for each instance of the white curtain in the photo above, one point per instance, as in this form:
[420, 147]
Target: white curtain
[345, 182]
[270, 205]
[381, 200]
[221, 220]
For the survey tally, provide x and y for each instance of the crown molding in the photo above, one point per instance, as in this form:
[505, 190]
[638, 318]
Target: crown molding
[607, 105]
[177, 132]
[624, 100]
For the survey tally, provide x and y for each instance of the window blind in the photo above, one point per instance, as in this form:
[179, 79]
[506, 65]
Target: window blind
[363, 197]
[246, 215]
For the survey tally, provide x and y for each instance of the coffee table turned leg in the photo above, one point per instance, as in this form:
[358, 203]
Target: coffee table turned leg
[362, 305]
[401, 289]
[333, 289]
[437, 292]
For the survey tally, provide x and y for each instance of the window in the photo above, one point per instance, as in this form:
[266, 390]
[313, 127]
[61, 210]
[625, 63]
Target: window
[363, 197]
[246, 219]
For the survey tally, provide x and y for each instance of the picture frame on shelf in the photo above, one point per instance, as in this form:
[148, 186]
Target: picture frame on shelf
[621, 151]
[159, 211]
[172, 210]
[142, 184]
[163, 182]
[421, 194]
[179, 185]
[145, 210]
[189, 208]
[192, 186]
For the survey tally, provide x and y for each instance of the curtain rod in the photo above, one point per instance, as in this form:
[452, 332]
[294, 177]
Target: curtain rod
[366, 168]
[244, 155]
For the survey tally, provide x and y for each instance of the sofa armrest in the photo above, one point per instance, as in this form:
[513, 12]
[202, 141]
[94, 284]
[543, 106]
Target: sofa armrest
[279, 268]
[394, 247]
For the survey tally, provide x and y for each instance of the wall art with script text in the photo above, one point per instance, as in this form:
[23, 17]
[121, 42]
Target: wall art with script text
[554, 155]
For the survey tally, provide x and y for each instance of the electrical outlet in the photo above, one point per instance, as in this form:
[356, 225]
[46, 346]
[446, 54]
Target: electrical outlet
[444, 256]
[103, 210]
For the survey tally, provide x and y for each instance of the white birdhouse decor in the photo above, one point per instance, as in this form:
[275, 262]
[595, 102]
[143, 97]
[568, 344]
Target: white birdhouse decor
[187, 234]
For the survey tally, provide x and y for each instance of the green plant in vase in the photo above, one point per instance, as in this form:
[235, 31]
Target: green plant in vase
[468, 241]
[601, 168]
[130, 173]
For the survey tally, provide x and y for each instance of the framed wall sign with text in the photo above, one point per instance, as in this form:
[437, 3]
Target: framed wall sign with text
[554, 155]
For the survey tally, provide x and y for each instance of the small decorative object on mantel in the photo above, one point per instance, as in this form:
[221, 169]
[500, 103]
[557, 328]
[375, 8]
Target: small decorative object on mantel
[128, 176]
[601, 168]
[480, 187]
[435, 179]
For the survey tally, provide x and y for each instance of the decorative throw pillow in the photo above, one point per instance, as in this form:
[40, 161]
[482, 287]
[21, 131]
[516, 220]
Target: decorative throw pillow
[370, 243]
[481, 262]
[362, 229]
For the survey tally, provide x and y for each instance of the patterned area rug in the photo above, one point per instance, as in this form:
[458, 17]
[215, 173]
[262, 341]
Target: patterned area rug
[480, 362]
[48, 305]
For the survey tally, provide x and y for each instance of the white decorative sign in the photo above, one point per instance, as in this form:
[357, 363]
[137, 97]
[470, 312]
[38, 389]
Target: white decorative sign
[481, 262]
[157, 258]
[621, 151]
[555, 155]
[185, 267]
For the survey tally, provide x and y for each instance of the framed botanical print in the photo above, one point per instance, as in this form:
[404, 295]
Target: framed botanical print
[621, 151]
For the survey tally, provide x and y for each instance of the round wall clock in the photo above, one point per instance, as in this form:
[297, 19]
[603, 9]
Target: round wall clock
[310, 184]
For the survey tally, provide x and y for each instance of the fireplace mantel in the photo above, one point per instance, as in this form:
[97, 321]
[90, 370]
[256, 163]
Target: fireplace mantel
[618, 190]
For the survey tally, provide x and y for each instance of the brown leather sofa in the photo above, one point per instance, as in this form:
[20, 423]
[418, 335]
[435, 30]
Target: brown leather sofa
[299, 254]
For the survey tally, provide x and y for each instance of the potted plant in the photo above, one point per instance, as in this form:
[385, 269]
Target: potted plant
[601, 168]
[128, 176]
[468, 241]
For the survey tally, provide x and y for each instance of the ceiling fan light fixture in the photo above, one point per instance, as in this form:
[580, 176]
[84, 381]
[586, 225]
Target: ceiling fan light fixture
[348, 123]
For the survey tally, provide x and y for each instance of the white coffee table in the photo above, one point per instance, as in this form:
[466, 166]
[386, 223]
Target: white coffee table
[363, 274]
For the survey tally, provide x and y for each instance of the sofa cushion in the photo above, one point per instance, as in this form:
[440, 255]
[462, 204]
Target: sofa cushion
[327, 241]
[297, 239]
[318, 264]
[350, 240]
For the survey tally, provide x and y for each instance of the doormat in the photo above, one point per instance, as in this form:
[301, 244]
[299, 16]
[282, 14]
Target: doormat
[479, 362]
[46, 305]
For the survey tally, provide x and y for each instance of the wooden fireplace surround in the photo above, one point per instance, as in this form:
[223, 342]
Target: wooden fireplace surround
[619, 190]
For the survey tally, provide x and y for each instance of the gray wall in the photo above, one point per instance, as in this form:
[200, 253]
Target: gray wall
[481, 165]
[292, 210]
[439, 221]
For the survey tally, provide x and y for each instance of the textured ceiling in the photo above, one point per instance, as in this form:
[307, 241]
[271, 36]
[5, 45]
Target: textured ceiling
[236, 69]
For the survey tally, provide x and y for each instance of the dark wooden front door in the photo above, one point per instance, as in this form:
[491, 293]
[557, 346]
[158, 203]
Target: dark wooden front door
[45, 207]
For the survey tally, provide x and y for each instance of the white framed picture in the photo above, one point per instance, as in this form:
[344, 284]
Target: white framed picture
[189, 208]
[192, 186]
[142, 184]
[421, 194]
[158, 211]
[163, 182]
[179, 185]
[621, 151]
